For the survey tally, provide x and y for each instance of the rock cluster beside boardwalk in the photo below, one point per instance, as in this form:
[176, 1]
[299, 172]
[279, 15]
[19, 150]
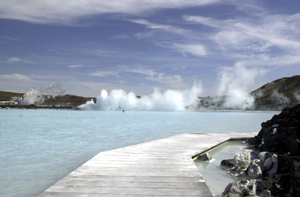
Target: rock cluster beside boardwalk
[273, 167]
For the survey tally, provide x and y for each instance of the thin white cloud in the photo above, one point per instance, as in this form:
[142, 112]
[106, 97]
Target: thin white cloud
[253, 7]
[258, 47]
[194, 49]
[121, 36]
[143, 71]
[15, 76]
[262, 39]
[204, 21]
[268, 60]
[14, 60]
[257, 35]
[98, 52]
[57, 52]
[75, 66]
[51, 77]
[173, 81]
[142, 35]
[155, 26]
[162, 78]
[69, 11]
[10, 38]
[148, 24]
[104, 73]
[87, 88]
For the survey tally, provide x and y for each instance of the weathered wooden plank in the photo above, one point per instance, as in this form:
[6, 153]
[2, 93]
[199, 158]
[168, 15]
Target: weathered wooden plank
[159, 168]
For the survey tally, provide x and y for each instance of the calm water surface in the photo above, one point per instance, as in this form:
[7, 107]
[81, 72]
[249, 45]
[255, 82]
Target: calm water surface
[215, 177]
[39, 147]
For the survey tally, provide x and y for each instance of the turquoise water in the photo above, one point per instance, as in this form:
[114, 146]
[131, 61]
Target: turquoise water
[39, 147]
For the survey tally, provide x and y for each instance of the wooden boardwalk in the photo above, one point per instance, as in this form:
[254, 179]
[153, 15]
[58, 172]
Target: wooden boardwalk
[158, 168]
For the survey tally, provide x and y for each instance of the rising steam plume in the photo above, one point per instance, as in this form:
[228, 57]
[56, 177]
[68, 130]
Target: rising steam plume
[232, 93]
[34, 96]
[170, 100]
[234, 83]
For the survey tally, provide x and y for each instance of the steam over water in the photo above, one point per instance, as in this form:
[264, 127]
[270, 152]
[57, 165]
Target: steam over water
[232, 92]
[170, 100]
[34, 96]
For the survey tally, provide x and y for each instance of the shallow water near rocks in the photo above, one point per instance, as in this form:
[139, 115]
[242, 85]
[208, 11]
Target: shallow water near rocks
[216, 178]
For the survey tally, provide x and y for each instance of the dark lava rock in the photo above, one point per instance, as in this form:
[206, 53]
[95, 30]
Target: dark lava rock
[285, 137]
[233, 189]
[288, 175]
[281, 135]
[204, 157]
[229, 163]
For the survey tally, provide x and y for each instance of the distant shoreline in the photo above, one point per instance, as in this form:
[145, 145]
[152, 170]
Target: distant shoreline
[37, 107]
[63, 107]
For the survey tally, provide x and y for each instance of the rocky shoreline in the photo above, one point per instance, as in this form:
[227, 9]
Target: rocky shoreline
[272, 167]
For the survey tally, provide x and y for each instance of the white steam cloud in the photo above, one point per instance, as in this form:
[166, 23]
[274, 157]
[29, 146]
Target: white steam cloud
[234, 85]
[170, 100]
[38, 96]
[232, 93]
[297, 96]
[280, 98]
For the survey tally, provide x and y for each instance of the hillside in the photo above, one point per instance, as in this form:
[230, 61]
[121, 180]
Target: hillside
[278, 94]
[7, 96]
[69, 100]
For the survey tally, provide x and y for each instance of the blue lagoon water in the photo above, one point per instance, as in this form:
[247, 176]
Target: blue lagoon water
[39, 147]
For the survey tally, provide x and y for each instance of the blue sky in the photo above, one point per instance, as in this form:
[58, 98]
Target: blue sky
[135, 45]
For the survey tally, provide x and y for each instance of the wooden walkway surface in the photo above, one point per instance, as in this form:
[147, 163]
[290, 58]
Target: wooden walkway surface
[158, 168]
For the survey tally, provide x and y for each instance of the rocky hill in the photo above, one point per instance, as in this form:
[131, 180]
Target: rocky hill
[278, 94]
[65, 100]
[7, 96]
[68, 99]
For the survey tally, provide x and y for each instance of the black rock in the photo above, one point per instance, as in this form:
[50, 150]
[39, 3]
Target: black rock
[281, 136]
[204, 157]
[229, 163]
